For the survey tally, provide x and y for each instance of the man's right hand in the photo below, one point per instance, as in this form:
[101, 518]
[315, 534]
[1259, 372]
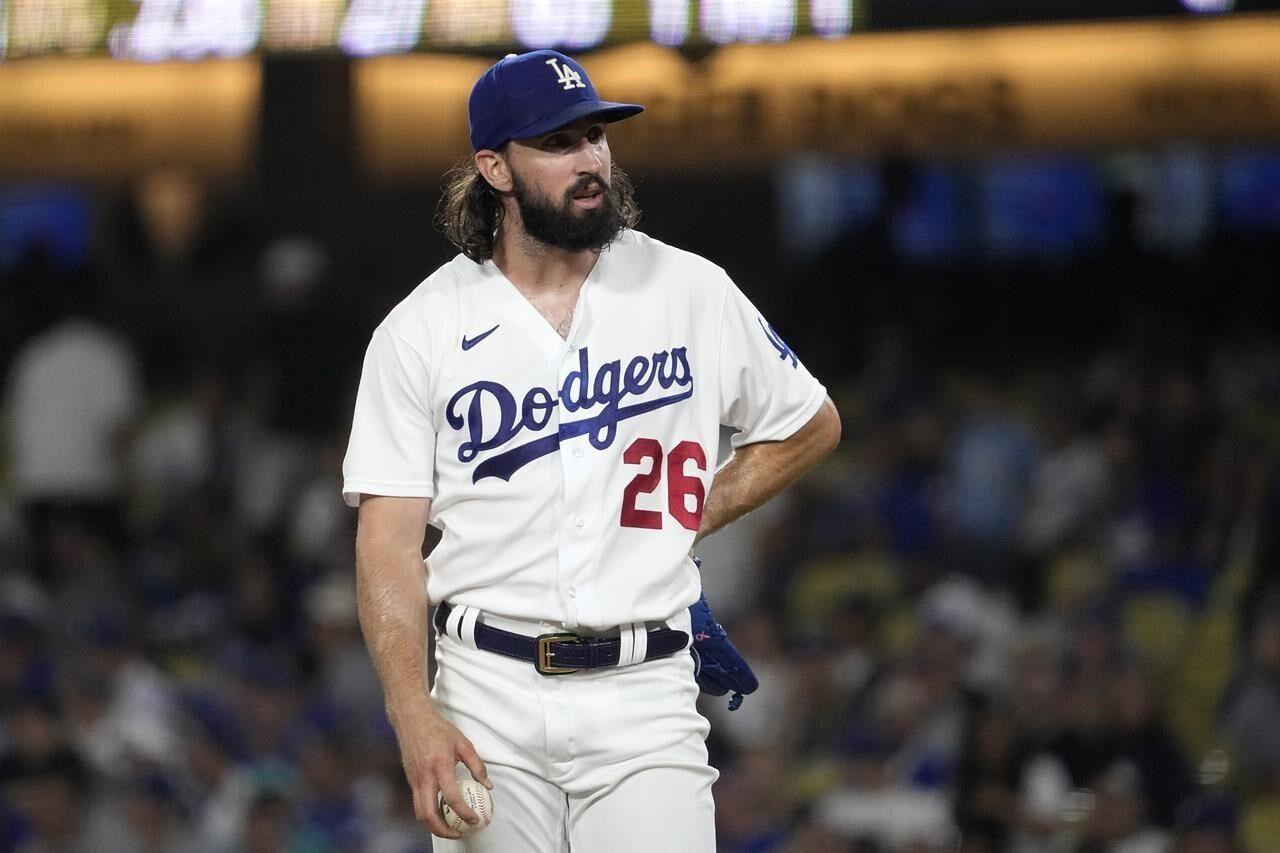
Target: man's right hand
[430, 749]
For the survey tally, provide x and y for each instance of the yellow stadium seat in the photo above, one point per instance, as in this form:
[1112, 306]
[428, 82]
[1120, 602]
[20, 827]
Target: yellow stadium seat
[1157, 624]
[1260, 825]
[827, 581]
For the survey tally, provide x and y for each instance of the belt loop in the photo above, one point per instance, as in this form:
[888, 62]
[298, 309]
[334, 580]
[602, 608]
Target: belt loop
[461, 625]
[633, 645]
[626, 645]
[641, 631]
[467, 628]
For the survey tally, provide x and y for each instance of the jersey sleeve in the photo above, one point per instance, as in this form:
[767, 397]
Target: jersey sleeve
[393, 436]
[765, 391]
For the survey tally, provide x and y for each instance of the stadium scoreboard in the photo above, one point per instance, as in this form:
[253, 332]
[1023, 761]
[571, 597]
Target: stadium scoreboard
[188, 29]
[157, 30]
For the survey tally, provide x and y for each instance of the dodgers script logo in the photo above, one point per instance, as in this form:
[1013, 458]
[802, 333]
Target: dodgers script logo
[599, 395]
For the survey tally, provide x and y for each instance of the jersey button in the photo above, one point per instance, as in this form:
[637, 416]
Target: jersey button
[577, 451]
[579, 522]
[573, 592]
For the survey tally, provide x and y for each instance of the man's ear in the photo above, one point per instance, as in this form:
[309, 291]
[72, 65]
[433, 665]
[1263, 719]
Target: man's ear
[493, 167]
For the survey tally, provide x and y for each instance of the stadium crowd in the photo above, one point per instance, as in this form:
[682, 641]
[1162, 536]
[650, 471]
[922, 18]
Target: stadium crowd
[1032, 607]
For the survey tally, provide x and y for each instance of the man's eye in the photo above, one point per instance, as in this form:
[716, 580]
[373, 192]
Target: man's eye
[554, 142]
[595, 134]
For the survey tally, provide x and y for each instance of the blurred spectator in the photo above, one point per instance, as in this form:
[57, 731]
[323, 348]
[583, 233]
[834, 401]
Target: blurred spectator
[1038, 688]
[270, 826]
[1160, 767]
[1207, 824]
[1118, 822]
[751, 804]
[326, 806]
[142, 816]
[345, 676]
[907, 501]
[302, 345]
[26, 669]
[32, 736]
[1082, 744]
[120, 705]
[991, 463]
[318, 526]
[887, 819]
[394, 827]
[991, 767]
[1049, 810]
[1070, 488]
[983, 624]
[265, 688]
[846, 683]
[767, 720]
[180, 451]
[260, 606]
[72, 397]
[173, 209]
[48, 792]
[921, 714]
[217, 783]
[902, 755]
[184, 284]
[1252, 705]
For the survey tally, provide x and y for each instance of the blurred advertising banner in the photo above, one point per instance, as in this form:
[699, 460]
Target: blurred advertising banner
[102, 119]
[1054, 87]
[411, 111]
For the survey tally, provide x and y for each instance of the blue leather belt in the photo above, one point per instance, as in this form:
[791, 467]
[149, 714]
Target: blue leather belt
[559, 654]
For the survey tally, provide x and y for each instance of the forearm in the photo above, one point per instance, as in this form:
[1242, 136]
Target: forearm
[392, 605]
[391, 598]
[757, 472]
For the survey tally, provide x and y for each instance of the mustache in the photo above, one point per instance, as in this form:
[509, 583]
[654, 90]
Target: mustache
[587, 183]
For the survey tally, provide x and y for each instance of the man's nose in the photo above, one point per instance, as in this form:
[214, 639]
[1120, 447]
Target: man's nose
[590, 158]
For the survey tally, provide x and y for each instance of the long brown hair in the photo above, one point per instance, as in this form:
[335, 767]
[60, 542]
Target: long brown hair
[470, 210]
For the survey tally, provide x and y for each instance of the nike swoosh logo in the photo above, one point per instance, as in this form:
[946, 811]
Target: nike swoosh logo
[468, 343]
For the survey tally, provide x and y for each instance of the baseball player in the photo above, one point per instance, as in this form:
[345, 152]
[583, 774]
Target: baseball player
[551, 400]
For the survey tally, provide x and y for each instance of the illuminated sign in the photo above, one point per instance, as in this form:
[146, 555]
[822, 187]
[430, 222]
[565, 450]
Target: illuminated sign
[153, 30]
[188, 29]
[95, 117]
[742, 107]
[1062, 87]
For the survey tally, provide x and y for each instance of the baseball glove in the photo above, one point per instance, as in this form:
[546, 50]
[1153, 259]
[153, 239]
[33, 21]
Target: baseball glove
[718, 667]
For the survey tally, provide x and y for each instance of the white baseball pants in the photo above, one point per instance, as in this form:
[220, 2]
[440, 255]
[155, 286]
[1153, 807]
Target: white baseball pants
[609, 760]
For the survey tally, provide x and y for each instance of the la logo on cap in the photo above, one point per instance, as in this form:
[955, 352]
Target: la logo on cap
[566, 75]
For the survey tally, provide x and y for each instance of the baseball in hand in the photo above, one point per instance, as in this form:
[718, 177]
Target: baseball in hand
[477, 798]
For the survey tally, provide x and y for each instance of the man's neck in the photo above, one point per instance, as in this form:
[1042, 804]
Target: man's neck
[538, 269]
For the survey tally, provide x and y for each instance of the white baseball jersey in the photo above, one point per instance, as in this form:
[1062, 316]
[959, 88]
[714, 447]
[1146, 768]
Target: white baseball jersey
[568, 476]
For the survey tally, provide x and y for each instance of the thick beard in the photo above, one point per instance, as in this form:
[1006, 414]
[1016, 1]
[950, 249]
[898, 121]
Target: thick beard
[563, 227]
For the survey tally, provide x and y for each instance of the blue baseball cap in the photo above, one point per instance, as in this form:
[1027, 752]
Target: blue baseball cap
[529, 94]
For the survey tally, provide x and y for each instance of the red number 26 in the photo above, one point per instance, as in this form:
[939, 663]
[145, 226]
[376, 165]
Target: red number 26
[680, 486]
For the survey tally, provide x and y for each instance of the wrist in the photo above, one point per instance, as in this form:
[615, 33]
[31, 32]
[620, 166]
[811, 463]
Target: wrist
[409, 706]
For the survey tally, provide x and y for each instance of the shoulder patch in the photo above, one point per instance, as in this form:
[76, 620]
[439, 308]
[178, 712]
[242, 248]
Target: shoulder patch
[784, 352]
